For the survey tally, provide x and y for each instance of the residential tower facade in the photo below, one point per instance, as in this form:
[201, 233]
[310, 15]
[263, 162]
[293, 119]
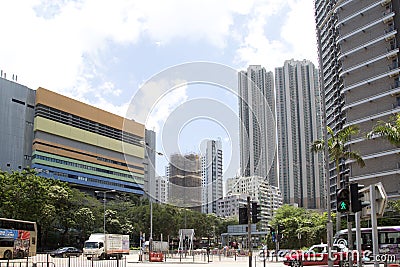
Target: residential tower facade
[299, 121]
[358, 51]
[211, 173]
[257, 126]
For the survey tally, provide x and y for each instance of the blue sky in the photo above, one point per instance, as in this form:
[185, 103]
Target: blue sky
[101, 52]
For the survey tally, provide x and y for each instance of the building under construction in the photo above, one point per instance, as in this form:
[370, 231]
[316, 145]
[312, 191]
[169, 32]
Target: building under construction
[184, 172]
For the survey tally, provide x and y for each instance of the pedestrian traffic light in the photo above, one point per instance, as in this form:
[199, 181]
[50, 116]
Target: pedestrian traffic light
[273, 233]
[343, 200]
[356, 198]
[243, 219]
[255, 212]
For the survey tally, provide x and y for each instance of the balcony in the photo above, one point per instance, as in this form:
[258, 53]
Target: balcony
[390, 54]
[363, 28]
[372, 98]
[373, 116]
[389, 73]
[386, 36]
[359, 12]
[377, 155]
[343, 3]
[374, 175]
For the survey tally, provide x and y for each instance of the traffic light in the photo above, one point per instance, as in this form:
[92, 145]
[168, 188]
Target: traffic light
[357, 204]
[255, 212]
[280, 231]
[273, 233]
[243, 219]
[343, 200]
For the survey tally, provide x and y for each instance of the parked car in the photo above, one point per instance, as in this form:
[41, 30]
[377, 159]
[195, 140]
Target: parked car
[65, 252]
[316, 255]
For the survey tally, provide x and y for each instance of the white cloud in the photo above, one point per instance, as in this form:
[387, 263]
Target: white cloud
[297, 39]
[59, 44]
[48, 43]
[155, 100]
[164, 107]
[299, 31]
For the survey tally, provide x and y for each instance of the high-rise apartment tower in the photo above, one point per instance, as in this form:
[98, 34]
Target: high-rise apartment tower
[257, 123]
[211, 173]
[299, 121]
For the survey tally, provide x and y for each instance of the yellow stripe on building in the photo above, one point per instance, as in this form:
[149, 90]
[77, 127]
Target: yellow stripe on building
[69, 132]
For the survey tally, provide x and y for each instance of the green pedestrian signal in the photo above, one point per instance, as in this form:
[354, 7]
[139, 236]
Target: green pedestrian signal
[343, 200]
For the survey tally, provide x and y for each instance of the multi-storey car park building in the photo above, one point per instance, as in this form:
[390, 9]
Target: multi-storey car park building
[257, 124]
[86, 146]
[358, 50]
[68, 140]
[211, 173]
[299, 121]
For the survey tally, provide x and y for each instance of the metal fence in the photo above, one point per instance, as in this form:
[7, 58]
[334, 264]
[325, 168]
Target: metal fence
[44, 260]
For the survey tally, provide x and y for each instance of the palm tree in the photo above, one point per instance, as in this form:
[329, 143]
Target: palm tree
[337, 151]
[389, 130]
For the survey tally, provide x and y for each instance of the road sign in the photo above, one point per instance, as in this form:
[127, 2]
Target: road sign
[380, 201]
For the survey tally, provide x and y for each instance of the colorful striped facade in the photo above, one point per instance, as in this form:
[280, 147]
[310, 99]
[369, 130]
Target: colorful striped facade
[86, 146]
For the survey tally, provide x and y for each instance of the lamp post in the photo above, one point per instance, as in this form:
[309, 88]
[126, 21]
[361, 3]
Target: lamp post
[104, 205]
[146, 145]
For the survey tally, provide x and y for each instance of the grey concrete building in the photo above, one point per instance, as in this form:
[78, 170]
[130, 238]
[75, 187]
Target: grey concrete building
[268, 197]
[17, 110]
[257, 124]
[299, 123]
[358, 52]
[161, 189]
[150, 164]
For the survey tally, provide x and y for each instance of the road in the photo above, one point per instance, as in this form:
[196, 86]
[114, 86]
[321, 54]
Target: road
[132, 260]
[175, 260]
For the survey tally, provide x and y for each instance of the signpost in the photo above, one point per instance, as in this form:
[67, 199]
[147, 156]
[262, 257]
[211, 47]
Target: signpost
[377, 197]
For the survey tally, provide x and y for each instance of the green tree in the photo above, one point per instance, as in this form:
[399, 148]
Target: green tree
[339, 151]
[337, 147]
[301, 227]
[389, 130]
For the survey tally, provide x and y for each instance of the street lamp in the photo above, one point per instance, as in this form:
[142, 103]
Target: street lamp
[146, 145]
[104, 202]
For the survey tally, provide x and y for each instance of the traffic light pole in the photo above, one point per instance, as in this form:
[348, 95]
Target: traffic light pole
[350, 239]
[249, 230]
[358, 238]
[375, 249]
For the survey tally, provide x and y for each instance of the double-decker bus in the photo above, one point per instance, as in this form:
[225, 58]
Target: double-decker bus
[18, 238]
[388, 239]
